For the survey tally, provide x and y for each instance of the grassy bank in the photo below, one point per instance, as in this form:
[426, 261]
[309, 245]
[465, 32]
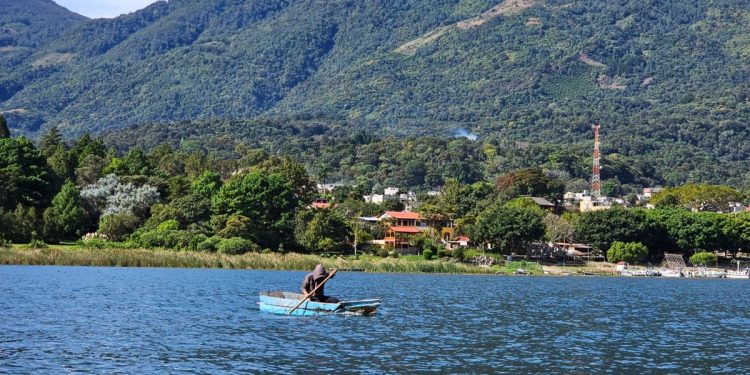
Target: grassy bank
[74, 256]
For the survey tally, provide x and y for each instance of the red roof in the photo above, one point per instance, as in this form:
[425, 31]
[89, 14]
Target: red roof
[321, 205]
[461, 238]
[410, 230]
[403, 215]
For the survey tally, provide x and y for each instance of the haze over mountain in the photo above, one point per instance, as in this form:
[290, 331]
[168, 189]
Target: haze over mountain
[665, 77]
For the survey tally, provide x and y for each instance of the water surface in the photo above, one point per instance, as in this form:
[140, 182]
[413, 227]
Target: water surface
[136, 320]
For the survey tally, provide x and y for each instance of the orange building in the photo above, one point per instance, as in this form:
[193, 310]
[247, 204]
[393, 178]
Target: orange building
[404, 225]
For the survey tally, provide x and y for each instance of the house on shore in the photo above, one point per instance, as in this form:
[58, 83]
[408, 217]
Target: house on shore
[403, 226]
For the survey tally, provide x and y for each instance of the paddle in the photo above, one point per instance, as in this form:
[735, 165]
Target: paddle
[330, 275]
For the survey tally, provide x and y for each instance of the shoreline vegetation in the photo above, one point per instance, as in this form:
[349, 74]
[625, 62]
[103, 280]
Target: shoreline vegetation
[82, 256]
[177, 208]
[71, 255]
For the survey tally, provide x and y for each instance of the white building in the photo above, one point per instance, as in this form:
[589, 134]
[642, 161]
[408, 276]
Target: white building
[374, 198]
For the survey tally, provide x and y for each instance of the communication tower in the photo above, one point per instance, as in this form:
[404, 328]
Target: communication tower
[596, 182]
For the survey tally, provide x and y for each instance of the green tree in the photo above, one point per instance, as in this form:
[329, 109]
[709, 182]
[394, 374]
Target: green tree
[90, 169]
[316, 229]
[192, 209]
[526, 203]
[25, 177]
[238, 226]
[133, 163]
[236, 246]
[529, 182]
[691, 231]
[50, 142]
[61, 163]
[699, 197]
[304, 187]
[136, 162]
[207, 184]
[86, 146]
[65, 218]
[4, 131]
[18, 224]
[119, 225]
[268, 200]
[631, 252]
[703, 258]
[508, 228]
[602, 228]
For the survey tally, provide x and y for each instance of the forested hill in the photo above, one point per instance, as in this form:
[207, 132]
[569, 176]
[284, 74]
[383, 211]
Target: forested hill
[25, 27]
[670, 72]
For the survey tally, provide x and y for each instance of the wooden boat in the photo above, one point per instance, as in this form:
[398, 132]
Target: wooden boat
[278, 302]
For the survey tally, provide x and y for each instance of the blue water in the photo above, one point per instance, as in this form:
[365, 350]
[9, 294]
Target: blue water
[128, 320]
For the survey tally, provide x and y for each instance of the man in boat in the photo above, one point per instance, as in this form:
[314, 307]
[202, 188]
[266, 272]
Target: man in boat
[312, 280]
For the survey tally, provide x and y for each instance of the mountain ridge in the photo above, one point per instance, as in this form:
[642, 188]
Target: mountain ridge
[667, 78]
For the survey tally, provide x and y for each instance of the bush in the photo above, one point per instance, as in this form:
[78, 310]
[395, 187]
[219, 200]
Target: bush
[631, 252]
[381, 252]
[168, 225]
[458, 253]
[118, 226]
[170, 239]
[427, 254]
[37, 244]
[235, 246]
[442, 253]
[237, 226]
[209, 244]
[267, 251]
[703, 258]
[5, 244]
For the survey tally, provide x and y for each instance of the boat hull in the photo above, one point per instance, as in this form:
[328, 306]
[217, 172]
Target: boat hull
[283, 302]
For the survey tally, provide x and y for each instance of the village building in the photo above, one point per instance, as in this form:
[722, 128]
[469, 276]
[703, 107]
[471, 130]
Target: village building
[321, 203]
[589, 204]
[402, 226]
[327, 189]
[455, 243]
[389, 194]
[374, 198]
[544, 204]
[576, 250]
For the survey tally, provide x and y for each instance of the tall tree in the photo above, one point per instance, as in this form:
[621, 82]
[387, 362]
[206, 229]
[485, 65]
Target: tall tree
[269, 200]
[304, 187]
[4, 131]
[530, 182]
[50, 142]
[316, 229]
[699, 197]
[602, 228]
[65, 218]
[25, 177]
[508, 228]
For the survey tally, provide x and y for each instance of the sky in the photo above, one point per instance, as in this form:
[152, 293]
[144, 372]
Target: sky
[104, 8]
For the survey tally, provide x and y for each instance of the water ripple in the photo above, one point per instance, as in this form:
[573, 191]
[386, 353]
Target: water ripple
[126, 321]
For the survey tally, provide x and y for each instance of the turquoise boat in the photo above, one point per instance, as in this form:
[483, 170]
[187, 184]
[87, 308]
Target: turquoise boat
[279, 302]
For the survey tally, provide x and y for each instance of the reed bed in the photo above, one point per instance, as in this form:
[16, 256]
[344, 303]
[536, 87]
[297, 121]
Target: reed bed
[110, 257]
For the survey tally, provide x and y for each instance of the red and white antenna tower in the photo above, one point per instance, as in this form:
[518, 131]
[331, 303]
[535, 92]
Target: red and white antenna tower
[596, 182]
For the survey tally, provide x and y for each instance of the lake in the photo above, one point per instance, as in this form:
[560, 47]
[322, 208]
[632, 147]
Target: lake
[137, 320]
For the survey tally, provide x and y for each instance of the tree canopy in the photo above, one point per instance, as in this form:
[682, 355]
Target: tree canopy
[508, 228]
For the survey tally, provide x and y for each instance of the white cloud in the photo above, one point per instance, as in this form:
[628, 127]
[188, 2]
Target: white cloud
[104, 8]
